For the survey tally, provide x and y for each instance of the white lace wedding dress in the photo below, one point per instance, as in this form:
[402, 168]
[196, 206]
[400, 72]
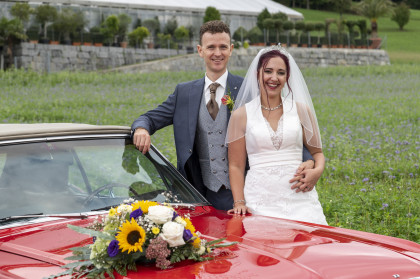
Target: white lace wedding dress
[274, 157]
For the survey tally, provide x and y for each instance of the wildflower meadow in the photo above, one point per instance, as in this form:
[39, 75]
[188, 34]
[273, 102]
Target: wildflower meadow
[368, 116]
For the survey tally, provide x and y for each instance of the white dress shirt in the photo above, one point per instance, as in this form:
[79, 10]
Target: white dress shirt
[220, 91]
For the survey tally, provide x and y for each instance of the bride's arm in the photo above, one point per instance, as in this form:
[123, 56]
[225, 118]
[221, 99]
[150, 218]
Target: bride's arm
[237, 162]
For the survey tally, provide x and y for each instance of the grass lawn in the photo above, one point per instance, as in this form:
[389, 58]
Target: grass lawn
[369, 118]
[402, 46]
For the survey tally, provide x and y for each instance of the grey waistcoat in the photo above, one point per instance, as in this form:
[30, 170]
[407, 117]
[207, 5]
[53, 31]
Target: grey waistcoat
[211, 148]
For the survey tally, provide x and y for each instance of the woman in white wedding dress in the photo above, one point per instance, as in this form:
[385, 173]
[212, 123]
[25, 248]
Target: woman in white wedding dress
[273, 117]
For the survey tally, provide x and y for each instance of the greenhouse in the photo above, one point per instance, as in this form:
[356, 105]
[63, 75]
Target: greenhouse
[236, 13]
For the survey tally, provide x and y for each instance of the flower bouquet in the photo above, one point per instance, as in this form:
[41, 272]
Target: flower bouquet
[136, 232]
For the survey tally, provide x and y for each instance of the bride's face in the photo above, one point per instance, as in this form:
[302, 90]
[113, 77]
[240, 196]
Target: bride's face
[273, 77]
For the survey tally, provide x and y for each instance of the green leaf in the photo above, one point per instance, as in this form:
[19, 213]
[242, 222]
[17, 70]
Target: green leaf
[215, 241]
[227, 244]
[91, 232]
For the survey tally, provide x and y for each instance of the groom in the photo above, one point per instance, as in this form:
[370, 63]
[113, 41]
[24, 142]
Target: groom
[199, 119]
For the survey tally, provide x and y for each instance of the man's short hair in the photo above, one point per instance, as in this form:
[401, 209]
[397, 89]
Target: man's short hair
[213, 27]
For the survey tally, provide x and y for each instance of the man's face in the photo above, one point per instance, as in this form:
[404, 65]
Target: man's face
[215, 50]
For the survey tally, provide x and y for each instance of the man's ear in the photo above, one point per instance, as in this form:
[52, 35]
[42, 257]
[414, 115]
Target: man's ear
[199, 50]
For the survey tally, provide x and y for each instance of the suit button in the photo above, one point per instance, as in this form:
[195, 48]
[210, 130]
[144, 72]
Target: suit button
[220, 131]
[225, 171]
[212, 159]
[223, 159]
[209, 133]
[190, 151]
[222, 145]
[214, 172]
[211, 145]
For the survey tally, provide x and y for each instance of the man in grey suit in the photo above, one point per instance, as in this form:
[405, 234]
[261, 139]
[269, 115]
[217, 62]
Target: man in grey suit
[200, 120]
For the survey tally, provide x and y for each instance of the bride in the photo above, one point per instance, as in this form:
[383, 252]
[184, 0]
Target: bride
[273, 117]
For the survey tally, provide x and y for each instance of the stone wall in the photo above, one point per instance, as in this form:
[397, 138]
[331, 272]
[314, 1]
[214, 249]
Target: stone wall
[242, 58]
[53, 58]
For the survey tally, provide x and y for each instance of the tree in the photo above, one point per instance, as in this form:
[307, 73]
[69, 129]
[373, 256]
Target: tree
[255, 35]
[210, 14]
[240, 34]
[11, 32]
[110, 28]
[268, 24]
[373, 9]
[152, 25]
[181, 33]
[171, 26]
[137, 36]
[401, 15]
[68, 21]
[45, 14]
[21, 11]
[341, 6]
[123, 25]
[261, 17]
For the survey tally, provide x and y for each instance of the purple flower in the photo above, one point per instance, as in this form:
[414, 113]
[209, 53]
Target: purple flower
[409, 215]
[363, 190]
[136, 213]
[187, 235]
[384, 205]
[365, 179]
[113, 248]
[175, 215]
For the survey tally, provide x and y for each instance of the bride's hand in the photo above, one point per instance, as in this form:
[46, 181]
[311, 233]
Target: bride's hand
[239, 209]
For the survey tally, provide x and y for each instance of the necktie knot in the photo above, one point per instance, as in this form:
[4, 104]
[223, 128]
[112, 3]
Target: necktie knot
[213, 87]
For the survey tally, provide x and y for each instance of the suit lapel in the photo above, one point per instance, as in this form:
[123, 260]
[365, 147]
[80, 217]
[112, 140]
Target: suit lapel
[194, 100]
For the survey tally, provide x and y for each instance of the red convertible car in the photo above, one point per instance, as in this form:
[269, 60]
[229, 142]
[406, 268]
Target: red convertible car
[53, 175]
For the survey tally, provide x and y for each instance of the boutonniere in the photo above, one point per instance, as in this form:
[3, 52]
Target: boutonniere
[227, 100]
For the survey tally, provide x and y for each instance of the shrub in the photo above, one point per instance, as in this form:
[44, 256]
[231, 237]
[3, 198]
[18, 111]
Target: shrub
[401, 15]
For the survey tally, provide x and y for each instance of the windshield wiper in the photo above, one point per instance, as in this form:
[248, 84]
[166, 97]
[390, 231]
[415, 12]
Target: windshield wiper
[38, 215]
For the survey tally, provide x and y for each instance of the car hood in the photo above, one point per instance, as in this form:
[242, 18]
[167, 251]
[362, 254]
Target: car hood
[277, 248]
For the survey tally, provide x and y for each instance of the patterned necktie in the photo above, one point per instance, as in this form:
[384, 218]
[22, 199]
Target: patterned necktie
[212, 105]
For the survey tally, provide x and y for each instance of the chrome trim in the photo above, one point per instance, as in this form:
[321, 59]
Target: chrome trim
[71, 137]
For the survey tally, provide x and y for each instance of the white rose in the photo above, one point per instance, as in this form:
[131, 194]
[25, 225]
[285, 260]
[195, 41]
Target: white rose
[172, 233]
[160, 214]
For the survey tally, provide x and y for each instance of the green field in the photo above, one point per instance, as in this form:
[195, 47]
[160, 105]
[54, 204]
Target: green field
[402, 46]
[369, 118]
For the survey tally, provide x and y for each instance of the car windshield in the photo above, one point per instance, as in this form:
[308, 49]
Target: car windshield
[80, 175]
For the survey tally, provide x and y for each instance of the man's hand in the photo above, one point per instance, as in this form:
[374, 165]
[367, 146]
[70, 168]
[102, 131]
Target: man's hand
[299, 175]
[141, 139]
[310, 178]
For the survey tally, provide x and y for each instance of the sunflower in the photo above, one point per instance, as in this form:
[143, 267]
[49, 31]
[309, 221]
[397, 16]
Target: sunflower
[131, 237]
[189, 225]
[144, 205]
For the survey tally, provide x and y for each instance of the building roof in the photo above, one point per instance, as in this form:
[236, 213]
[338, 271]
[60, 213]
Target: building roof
[244, 7]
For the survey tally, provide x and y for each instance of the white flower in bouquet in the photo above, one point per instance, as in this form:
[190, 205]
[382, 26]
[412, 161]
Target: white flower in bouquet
[160, 214]
[180, 221]
[201, 250]
[172, 233]
[124, 209]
